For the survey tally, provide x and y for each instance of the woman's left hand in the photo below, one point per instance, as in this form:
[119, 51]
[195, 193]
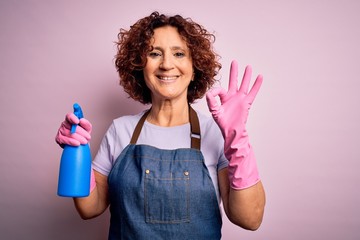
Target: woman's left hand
[245, 200]
[231, 115]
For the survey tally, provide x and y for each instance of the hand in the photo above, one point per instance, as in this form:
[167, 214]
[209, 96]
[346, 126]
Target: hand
[232, 114]
[81, 135]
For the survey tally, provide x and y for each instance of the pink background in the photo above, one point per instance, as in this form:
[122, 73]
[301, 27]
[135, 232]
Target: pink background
[304, 124]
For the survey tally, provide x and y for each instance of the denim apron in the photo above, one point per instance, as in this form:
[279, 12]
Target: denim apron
[163, 194]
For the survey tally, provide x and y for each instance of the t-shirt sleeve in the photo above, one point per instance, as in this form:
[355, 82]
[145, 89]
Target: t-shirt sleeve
[223, 162]
[213, 142]
[114, 141]
[104, 158]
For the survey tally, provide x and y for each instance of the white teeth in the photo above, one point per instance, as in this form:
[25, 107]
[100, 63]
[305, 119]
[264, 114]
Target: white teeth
[167, 78]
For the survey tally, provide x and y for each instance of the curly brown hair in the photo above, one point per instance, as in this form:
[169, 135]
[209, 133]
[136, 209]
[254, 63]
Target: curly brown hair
[134, 45]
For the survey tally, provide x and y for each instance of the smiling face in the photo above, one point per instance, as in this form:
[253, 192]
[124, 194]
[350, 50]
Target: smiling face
[169, 67]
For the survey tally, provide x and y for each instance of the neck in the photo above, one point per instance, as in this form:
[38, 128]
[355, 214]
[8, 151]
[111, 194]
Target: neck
[169, 114]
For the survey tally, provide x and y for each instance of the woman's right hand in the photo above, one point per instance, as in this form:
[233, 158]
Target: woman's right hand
[82, 135]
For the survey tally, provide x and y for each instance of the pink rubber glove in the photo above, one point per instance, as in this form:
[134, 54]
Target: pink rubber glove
[81, 135]
[231, 117]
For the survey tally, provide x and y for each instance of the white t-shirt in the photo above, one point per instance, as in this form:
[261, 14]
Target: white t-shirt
[120, 132]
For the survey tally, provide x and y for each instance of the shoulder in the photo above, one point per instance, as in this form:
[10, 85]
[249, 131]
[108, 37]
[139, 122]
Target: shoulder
[123, 127]
[207, 124]
[127, 121]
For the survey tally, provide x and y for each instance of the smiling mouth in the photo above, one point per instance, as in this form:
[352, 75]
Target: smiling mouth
[167, 78]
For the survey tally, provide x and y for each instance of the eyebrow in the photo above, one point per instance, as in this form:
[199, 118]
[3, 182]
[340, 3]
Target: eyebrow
[172, 48]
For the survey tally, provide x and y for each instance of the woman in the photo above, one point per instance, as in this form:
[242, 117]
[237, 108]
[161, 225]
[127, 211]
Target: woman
[165, 171]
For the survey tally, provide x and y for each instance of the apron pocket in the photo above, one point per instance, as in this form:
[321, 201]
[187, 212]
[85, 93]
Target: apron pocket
[167, 198]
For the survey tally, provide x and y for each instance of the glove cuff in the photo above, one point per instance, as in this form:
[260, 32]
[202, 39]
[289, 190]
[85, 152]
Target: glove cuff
[242, 169]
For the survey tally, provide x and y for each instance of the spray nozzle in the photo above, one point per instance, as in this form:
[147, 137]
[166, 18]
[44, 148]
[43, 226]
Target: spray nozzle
[78, 112]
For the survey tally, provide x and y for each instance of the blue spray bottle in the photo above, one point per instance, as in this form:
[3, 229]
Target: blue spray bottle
[75, 167]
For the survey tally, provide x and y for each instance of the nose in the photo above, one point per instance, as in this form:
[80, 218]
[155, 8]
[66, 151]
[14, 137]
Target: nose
[167, 63]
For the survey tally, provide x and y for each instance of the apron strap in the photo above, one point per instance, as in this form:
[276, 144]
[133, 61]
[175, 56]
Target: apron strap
[195, 129]
[138, 127]
[194, 124]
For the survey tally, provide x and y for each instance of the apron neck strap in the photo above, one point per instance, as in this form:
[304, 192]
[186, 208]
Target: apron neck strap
[194, 124]
[195, 129]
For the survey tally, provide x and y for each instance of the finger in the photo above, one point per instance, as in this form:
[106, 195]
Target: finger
[62, 139]
[255, 88]
[233, 79]
[75, 142]
[84, 123]
[81, 134]
[58, 138]
[65, 125]
[211, 101]
[81, 137]
[72, 118]
[244, 87]
[211, 97]
[221, 93]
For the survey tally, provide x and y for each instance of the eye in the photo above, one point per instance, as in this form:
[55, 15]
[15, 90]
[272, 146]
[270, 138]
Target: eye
[179, 54]
[154, 54]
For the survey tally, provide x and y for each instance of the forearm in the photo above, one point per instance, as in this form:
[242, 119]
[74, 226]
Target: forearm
[246, 206]
[97, 202]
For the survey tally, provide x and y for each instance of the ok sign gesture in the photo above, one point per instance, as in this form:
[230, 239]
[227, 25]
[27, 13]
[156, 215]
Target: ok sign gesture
[232, 113]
